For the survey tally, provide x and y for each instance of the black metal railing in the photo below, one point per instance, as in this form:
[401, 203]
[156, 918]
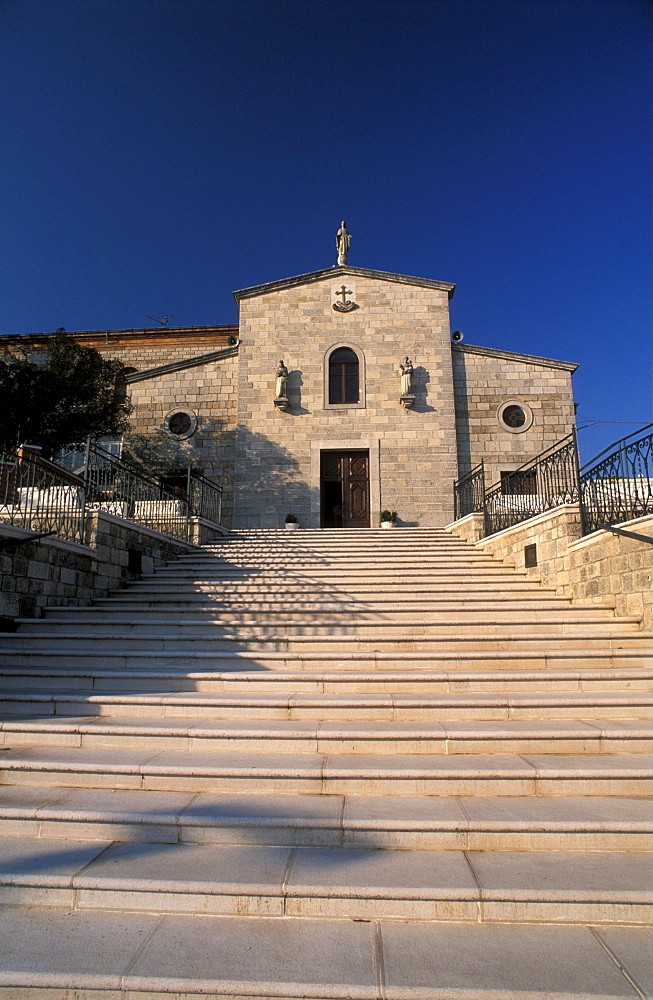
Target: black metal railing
[548, 480]
[48, 498]
[117, 487]
[37, 495]
[615, 487]
[469, 492]
[205, 498]
[618, 486]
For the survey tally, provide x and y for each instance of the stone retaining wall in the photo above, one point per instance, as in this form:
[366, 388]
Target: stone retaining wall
[601, 568]
[35, 575]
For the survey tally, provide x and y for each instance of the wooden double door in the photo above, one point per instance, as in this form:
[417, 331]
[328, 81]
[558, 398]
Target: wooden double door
[345, 489]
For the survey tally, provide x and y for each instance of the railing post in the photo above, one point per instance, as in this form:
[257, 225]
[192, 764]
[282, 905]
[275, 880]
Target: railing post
[84, 489]
[189, 487]
[579, 485]
[484, 503]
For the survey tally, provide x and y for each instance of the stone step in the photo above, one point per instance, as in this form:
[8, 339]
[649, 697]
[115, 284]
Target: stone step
[352, 550]
[402, 626]
[436, 549]
[54, 952]
[286, 736]
[247, 586]
[400, 544]
[129, 643]
[459, 705]
[334, 575]
[359, 774]
[170, 603]
[350, 882]
[481, 823]
[337, 566]
[374, 544]
[179, 616]
[493, 670]
[268, 535]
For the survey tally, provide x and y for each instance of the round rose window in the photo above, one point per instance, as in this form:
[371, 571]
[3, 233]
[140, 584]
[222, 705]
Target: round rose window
[181, 423]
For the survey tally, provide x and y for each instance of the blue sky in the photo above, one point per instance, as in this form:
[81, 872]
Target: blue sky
[158, 154]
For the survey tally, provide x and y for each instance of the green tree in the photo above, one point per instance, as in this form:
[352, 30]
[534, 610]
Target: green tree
[59, 403]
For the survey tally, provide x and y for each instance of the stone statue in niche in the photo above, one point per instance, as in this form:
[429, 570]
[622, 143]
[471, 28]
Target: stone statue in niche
[282, 381]
[343, 242]
[406, 376]
[407, 398]
[281, 398]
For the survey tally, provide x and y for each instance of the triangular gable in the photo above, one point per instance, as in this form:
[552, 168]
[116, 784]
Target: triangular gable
[526, 359]
[337, 271]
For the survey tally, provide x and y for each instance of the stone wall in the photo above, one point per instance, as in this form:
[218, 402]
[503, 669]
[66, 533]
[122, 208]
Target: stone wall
[484, 380]
[412, 451]
[604, 565]
[141, 349]
[471, 527]
[601, 568]
[36, 575]
[209, 392]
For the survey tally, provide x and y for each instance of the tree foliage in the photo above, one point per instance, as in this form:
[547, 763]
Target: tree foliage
[61, 402]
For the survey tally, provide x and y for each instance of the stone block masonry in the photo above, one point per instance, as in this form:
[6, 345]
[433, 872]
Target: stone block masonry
[35, 575]
[416, 448]
[485, 380]
[601, 568]
[209, 392]
[463, 404]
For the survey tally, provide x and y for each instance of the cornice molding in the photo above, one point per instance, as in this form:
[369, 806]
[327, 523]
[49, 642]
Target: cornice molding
[526, 359]
[338, 271]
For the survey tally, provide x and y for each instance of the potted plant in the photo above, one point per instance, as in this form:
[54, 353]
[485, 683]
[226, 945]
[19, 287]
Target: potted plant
[291, 522]
[388, 518]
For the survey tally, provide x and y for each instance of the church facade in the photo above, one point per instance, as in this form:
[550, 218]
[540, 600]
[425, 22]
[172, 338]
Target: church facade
[338, 394]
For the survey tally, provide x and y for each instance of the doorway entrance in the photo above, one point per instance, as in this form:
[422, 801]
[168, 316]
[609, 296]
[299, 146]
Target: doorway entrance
[344, 489]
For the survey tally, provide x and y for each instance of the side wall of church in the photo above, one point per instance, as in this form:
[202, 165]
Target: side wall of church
[209, 392]
[412, 452]
[483, 384]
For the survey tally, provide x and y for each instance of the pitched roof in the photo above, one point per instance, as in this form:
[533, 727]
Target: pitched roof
[337, 271]
[528, 359]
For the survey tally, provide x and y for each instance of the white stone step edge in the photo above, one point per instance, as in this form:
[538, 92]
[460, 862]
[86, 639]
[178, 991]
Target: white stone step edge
[313, 959]
[307, 881]
[421, 663]
[397, 702]
[382, 739]
[530, 768]
[600, 823]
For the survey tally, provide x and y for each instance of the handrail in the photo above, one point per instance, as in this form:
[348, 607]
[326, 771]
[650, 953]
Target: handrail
[618, 487]
[551, 450]
[41, 498]
[118, 487]
[614, 487]
[628, 534]
[469, 492]
[615, 446]
[546, 481]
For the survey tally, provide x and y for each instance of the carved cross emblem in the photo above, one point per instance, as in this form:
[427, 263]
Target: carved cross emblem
[346, 305]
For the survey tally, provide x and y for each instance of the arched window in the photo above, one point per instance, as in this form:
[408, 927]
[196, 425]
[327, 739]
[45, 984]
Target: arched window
[343, 376]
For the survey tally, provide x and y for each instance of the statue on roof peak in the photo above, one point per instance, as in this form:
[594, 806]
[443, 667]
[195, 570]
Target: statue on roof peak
[343, 241]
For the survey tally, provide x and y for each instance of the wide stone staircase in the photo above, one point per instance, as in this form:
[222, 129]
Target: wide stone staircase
[344, 764]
